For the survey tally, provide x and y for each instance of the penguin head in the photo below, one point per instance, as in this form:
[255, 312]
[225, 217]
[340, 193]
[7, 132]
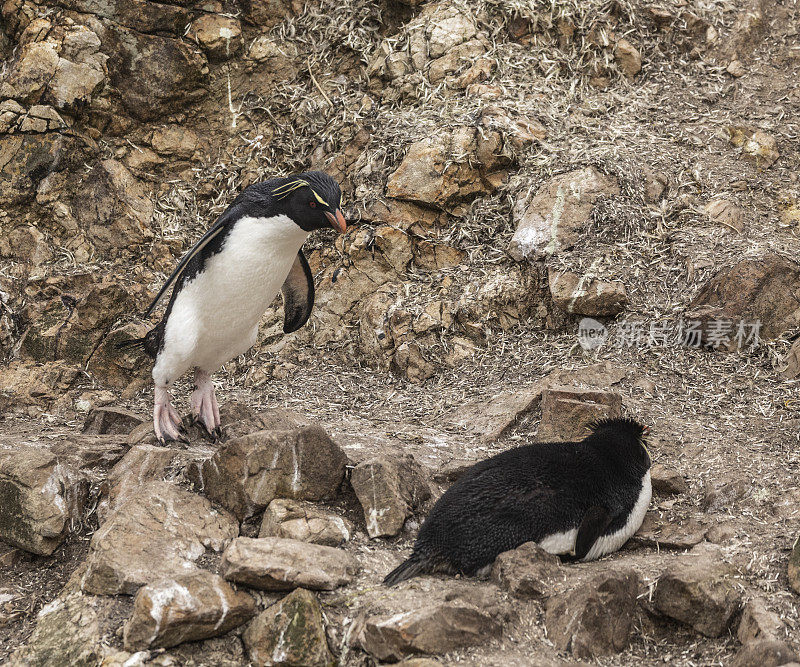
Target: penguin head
[312, 200]
[622, 439]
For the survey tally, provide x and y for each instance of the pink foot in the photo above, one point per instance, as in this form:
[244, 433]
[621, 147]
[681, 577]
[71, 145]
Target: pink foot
[204, 403]
[166, 421]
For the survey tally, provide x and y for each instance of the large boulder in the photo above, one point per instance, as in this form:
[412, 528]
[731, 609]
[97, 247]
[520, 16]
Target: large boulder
[157, 533]
[39, 497]
[185, 608]
[250, 471]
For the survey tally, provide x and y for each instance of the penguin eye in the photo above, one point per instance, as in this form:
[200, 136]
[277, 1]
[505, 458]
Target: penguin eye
[312, 204]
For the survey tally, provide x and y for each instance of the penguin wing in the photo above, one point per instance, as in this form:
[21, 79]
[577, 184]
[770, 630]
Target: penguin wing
[298, 295]
[225, 219]
[594, 523]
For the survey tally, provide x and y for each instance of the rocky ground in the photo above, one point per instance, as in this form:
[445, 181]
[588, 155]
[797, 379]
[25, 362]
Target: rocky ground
[510, 168]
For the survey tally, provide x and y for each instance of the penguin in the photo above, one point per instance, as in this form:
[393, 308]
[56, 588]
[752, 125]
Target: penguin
[223, 285]
[579, 500]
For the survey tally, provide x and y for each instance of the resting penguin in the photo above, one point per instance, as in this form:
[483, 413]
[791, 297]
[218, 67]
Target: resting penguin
[223, 285]
[580, 500]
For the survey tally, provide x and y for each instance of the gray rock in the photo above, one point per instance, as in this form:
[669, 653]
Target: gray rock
[39, 497]
[527, 571]
[290, 632]
[764, 653]
[110, 420]
[700, 592]
[594, 619]
[433, 629]
[568, 411]
[716, 497]
[666, 481]
[278, 564]
[185, 608]
[668, 533]
[389, 490]
[157, 533]
[305, 522]
[248, 472]
[758, 623]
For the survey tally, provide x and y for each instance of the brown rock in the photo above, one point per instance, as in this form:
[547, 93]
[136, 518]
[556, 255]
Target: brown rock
[24, 158]
[567, 411]
[220, 36]
[185, 608]
[759, 147]
[527, 571]
[628, 58]
[158, 532]
[277, 564]
[585, 295]
[794, 566]
[700, 592]
[175, 140]
[553, 220]
[389, 490]
[39, 497]
[290, 632]
[112, 420]
[792, 360]
[433, 629]
[248, 472]
[721, 533]
[594, 619]
[765, 290]
[764, 653]
[723, 495]
[726, 213]
[267, 13]
[304, 522]
[666, 481]
[758, 623]
[669, 534]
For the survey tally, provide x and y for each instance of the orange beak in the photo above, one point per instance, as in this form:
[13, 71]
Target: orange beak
[337, 221]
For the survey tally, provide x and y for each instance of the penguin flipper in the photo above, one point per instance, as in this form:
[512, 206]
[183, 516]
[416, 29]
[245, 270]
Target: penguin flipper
[594, 523]
[298, 295]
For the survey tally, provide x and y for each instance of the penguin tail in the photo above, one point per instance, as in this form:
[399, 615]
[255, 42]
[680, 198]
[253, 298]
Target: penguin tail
[413, 567]
[131, 344]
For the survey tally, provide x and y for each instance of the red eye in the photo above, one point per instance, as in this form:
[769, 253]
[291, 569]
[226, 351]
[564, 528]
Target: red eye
[312, 204]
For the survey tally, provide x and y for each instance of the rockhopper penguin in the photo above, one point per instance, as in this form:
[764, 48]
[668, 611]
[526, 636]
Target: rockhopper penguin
[223, 285]
[580, 500]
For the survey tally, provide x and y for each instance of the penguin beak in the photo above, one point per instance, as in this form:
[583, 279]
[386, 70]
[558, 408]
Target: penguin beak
[337, 220]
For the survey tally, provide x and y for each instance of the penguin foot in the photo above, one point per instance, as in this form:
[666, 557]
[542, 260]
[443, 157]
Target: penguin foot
[166, 421]
[204, 404]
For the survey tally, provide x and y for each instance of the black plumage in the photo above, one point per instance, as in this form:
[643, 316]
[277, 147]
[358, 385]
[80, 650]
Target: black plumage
[530, 493]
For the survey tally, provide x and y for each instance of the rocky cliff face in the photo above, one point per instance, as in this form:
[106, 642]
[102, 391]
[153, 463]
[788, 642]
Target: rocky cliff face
[515, 173]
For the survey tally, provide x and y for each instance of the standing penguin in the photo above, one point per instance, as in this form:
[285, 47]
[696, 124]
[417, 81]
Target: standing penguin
[577, 499]
[227, 280]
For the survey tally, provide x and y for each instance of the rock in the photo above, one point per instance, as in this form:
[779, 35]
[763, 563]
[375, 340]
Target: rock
[433, 629]
[669, 534]
[724, 495]
[304, 522]
[764, 653]
[174, 140]
[586, 295]
[527, 571]
[277, 564]
[567, 411]
[39, 497]
[155, 75]
[764, 289]
[792, 360]
[628, 58]
[220, 36]
[250, 471]
[104, 420]
[409, 362]
[114, 208]
[158, 532]
[736, 68]
[594, 619]
[437, 171]
[142, 463]
[496, 416]
[389, 490]
[185, 608]
[759, 147]
[794, 566]
[120, 368]
[26, 159]
[552, 220]
[721, 533]
[725, 213]
[700, 592]
[290, 632]
[759, 624]
[451, 472]
[666, 481]
[267, 13]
